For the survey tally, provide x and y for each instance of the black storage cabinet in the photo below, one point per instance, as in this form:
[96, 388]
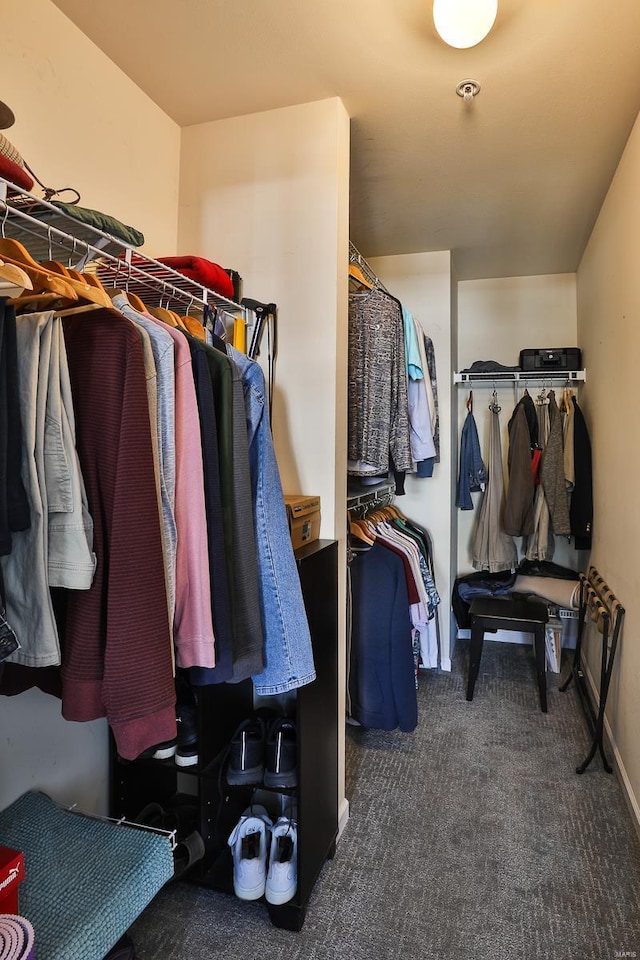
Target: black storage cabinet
[221, 708]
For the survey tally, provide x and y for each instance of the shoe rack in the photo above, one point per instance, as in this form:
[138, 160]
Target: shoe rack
[200, 794]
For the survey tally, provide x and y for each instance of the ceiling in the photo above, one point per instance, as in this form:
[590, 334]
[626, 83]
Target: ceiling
[512, 182]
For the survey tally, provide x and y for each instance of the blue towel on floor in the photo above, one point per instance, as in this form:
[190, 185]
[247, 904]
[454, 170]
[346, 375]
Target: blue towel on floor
[86, 881]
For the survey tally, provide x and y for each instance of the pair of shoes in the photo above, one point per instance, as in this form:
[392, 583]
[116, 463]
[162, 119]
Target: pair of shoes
[184, 749]
[264, 754]
[249, 840]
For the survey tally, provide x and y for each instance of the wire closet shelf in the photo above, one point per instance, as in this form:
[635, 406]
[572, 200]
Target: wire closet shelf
[49, 233]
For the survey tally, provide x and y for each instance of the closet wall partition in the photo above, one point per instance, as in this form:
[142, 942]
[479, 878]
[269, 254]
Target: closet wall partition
[423, 282]
[282, 219]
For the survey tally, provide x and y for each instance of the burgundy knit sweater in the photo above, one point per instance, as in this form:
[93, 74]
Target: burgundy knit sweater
[116, 645]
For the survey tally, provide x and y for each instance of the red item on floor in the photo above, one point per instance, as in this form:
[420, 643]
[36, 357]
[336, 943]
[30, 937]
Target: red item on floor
[11, 876]
[202, 271]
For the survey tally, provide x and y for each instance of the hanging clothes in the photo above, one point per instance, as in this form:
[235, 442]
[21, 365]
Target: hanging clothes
[163, 356]
[56, 549]
[581, 510]
[540, 545]
[378, 422]
[492, 548]
[552, 472]
[288, 655]
[117, 656]
[472, 473]
[519, 514]
[382, 674]
[425, 468]
[14, 506]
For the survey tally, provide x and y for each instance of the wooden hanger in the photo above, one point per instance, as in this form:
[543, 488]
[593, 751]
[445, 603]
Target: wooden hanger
[134, 301]
[84, 290]
[355, 273]
[194, 327]
[359, 530]
[43, 280]
[160, 313]
[15, 275]
[92, 281]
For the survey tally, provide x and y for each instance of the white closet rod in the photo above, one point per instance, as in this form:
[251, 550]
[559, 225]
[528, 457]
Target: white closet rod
[61, 237]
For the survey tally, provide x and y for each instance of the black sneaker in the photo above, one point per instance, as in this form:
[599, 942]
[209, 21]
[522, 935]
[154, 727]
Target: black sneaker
[160, 751]
[281, 755]
[246, 753]
[187, 722]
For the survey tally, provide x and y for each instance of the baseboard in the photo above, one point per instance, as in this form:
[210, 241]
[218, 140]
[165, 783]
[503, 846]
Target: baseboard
[618, 765]
[343, 816]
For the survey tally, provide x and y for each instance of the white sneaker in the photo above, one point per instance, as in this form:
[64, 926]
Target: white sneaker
[248, 841]
[282, 879]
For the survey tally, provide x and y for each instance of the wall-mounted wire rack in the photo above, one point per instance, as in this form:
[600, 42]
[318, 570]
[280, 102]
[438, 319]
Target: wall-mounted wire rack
[362, 499]
[356, 257]
[49, 233]
[539, 377]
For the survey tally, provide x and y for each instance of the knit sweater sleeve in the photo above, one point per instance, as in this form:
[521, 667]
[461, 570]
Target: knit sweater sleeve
[117, 657]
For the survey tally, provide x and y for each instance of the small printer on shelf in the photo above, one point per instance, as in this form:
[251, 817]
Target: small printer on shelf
[551, 358]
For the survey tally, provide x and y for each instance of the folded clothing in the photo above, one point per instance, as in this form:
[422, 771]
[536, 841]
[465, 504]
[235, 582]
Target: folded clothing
[101, 221]
[16, 938]
[14, 173]
[564, 593]
[209, 274]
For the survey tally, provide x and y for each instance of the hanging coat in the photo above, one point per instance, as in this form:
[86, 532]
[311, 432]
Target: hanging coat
[473, 475]
[493, 549]
[541, 544]
[519, 508]
[552, 472]
[582, 497]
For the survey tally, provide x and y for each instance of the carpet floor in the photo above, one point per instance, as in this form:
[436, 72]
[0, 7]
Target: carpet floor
[472, 837]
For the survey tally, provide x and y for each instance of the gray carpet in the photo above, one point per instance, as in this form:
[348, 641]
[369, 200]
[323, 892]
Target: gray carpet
[471, 838]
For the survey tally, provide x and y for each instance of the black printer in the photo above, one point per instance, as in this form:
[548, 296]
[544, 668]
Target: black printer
[551, 358]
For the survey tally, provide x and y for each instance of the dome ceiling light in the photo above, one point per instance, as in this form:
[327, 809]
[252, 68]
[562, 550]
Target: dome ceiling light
[464, 23]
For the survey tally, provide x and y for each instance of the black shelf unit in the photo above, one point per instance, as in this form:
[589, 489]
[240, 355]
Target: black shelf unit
[216, 806]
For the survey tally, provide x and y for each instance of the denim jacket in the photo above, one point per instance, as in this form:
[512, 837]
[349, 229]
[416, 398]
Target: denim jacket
[288, 654]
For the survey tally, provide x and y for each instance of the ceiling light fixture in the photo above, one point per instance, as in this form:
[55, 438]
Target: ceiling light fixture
[464, 23]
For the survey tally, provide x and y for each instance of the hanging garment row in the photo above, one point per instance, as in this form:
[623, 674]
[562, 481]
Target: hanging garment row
[549, 492]
[141, 512]
[393, 618]
[392, 389]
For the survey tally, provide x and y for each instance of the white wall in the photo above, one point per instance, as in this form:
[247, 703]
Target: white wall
[81, 122]
[267, 194]
[496, 319]
[422, 281]
[609, 334]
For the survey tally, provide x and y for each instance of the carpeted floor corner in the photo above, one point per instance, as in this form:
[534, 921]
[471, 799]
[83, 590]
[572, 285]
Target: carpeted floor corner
[471, 837]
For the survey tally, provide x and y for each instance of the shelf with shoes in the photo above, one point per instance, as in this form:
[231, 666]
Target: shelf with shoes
[307, 721]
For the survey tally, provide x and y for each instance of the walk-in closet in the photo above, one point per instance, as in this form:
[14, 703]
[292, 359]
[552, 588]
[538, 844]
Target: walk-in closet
[318, 598]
